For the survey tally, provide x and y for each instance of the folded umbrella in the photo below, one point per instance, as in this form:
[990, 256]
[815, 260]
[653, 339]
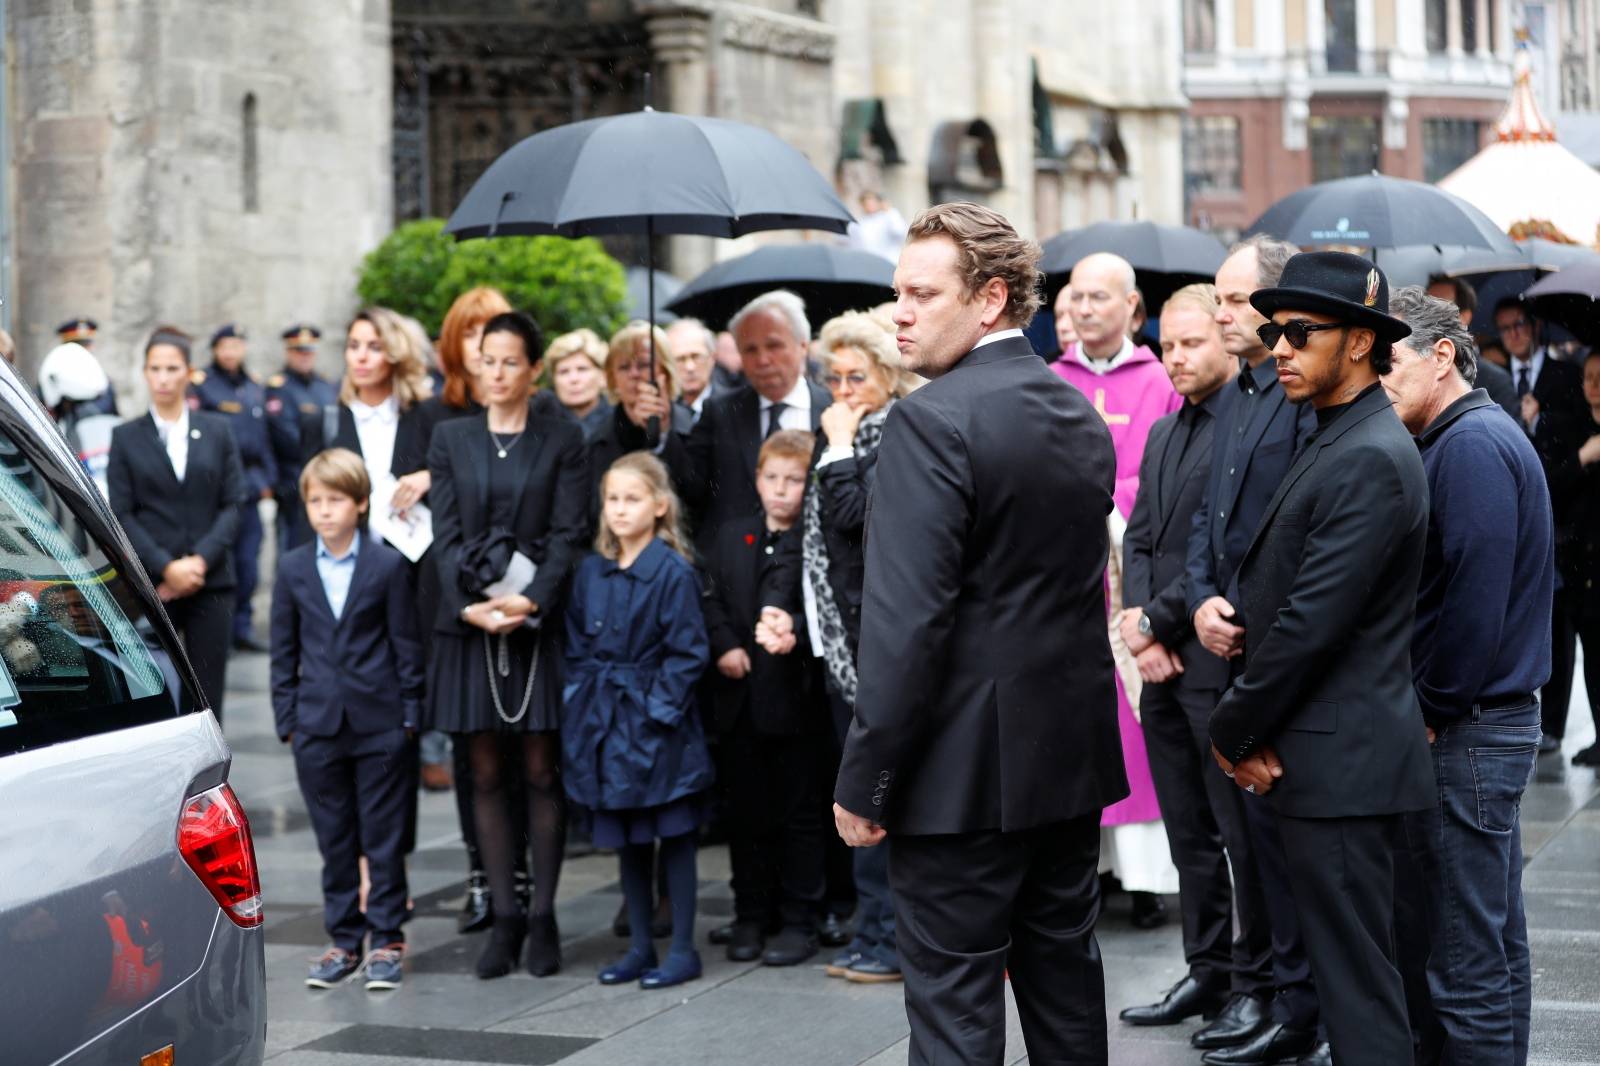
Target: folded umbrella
[830, 279]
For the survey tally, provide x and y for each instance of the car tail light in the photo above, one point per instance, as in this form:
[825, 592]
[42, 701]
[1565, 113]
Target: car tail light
[214, 837]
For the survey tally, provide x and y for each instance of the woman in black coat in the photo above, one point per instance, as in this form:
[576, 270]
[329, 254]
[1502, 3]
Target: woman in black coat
[1579, 558]
[176, 484]
[512, 481]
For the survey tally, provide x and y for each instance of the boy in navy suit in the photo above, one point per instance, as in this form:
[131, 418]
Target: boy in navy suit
[347, 686]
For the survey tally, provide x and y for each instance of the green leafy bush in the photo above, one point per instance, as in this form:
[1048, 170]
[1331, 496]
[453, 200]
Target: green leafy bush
[564, 284]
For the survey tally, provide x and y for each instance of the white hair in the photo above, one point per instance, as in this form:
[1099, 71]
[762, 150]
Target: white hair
[780, 302]
[696, 324]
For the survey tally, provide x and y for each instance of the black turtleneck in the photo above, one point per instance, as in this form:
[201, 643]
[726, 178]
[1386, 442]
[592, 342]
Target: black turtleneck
[1327, 416]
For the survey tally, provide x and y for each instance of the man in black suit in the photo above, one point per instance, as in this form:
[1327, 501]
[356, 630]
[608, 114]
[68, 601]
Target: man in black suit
[1202, 812]
[985, 739]
[1324, 720]
[1257, 437]
[1556, 417]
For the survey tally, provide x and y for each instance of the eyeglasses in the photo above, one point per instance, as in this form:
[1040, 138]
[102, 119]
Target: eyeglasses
[833, 381]
[1295, 331]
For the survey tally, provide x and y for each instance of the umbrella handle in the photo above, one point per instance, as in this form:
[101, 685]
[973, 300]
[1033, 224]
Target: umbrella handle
[652, 429]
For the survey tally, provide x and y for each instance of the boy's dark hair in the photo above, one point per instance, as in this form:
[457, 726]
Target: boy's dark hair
[787, 444]
[521, 324]
[342, 470]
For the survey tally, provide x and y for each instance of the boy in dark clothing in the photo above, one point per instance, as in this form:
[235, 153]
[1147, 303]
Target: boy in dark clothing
[767, 708]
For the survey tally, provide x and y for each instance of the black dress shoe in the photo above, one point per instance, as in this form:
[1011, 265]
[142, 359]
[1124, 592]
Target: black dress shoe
[833, 932]
[790, 948]
[1589, 756]
[1149, 910]
[1321, 1055]
[722, 934]
[1241, 1019]
[747, 943]
[1183, 1000]
[1549, 745]
[478, 912]
[250, 644]
[1274, 1044]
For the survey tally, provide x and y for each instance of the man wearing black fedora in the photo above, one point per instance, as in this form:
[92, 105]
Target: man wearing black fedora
[1323, 720]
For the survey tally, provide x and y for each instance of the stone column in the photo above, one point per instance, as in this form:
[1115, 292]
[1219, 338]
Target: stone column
[894, 81]
[680, 38]
[1004, 100]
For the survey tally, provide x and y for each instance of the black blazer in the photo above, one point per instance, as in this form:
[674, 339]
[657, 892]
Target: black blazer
[986, 697]
[714, 467]
[410, 438]
[364, 667]
[1328, 595]
[551, 513]
[741, 578]
[1155, 548]
[167, 519]
[616, 437]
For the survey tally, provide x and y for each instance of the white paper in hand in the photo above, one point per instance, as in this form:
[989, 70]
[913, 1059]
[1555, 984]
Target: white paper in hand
[519, 572]
[410, 534]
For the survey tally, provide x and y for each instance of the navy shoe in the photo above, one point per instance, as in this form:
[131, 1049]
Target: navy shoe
[840, 963]
[679, 968]
[630, 968]
[383, 967]
[871, 971]
[334, 966]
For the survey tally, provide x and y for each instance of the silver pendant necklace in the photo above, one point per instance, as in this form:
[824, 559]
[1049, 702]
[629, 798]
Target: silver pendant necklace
[501, 448]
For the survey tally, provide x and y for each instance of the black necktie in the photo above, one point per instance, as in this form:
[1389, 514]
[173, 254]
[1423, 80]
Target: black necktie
[1524, 386]
[774, 416]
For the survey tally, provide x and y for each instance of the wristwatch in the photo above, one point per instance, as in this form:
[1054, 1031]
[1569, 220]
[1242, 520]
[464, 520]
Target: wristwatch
[1144, 625]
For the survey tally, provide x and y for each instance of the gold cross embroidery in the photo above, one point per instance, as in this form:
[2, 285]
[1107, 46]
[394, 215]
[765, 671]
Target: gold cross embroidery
[1100, 406]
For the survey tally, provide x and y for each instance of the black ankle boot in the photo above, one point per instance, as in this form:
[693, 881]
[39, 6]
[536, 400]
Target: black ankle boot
[544, 945]
[477, 912]
[505, 944]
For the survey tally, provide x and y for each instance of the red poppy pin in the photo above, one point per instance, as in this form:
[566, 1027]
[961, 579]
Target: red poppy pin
[750, 538]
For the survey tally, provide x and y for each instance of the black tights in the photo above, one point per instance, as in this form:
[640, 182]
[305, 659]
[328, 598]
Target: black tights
[537, 757]
[678, 870]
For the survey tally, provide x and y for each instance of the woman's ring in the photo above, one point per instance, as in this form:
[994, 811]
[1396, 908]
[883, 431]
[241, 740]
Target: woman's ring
[1250, 789]
[497, 615]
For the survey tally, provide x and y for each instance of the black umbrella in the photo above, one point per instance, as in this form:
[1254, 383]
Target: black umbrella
[829, 278]
[1415, 265]
[1569, 298]
[1148, 246]
[1553, 255]
[1375, 211]
[648, 172]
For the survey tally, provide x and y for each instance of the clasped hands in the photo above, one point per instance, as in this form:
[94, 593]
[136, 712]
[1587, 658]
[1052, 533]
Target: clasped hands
[1255, 773]
[499, 615]
[775, 635]
[182, 577]
[1157, 663]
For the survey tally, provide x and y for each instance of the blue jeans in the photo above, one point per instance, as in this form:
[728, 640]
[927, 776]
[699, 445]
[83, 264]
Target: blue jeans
[1470, 852]
[874, 936]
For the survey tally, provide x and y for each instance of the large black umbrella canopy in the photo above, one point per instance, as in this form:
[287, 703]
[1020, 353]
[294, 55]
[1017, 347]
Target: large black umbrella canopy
[1377, 211]
[1546, 256]
[829, 278]
[649, 172]
[1570, 298]
[1415, 265]
[1147, 246]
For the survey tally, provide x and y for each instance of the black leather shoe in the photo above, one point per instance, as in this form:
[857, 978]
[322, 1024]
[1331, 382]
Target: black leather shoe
[1549, 745]
[1241, 1019]
[1321, 1055]
[1589, 756]
[790, 948]
[833, 932]
[1149, 910]
[746, 942]
[722, 934]
[1274, 1044]
[478, 911]
[1183, 1000]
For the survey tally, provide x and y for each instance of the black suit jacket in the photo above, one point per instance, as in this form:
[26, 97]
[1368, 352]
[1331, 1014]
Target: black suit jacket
[1328, 597]
[550, 518]
[1155, 548]
[167, 519]
[410, 438]
[364, 667]
[714, 467]
[741, 579]
[986, 697]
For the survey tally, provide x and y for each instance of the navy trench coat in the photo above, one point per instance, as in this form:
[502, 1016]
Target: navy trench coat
[631, 736]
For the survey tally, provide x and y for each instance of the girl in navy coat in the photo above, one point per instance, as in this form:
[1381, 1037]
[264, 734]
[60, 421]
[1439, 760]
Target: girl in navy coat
[633, 746]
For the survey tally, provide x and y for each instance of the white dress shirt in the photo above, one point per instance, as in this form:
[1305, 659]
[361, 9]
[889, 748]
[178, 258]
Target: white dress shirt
[1105, 366]
[375, 429]
[796, 413]
[175, 436]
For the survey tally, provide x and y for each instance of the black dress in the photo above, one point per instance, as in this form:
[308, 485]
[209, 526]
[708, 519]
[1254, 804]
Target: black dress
[470, 668]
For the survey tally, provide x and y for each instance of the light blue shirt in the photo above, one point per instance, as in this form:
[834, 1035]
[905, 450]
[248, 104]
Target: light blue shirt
[337, 571]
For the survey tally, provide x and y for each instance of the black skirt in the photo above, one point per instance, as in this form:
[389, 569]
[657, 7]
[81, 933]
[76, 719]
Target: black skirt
[464, 666]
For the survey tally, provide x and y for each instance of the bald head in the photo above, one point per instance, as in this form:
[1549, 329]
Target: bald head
[1101, 299]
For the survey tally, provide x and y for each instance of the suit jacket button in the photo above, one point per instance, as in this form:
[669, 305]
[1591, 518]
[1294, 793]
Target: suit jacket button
[884, 777]
[877, 801]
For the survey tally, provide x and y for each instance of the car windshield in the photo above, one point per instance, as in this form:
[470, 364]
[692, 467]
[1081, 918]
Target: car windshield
[78, 655]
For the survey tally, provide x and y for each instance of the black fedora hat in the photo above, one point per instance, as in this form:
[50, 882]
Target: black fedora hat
[1348, 287]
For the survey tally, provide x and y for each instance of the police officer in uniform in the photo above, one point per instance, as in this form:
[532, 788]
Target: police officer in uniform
[299, 391]
[228, 389]
[82, 331]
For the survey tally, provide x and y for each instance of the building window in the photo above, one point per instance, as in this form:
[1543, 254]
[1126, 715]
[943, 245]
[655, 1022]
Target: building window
[1340, 20]
[1435, 25]
[1469, 26]
[1447, 143]
[1343, 146]
[1211, 155]
[249, 165]
[1199, 26]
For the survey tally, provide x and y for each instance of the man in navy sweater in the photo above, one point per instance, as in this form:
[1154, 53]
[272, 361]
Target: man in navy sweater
[1481, 650]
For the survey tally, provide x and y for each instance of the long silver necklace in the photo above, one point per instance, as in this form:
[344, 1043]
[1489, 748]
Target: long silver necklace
[501, 448]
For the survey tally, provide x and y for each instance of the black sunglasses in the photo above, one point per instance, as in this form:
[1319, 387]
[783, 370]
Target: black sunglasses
[1297, 331]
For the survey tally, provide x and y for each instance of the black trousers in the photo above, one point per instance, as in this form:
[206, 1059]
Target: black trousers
[1342, 873]
[971, 906]
[205, 622]
[1205, 821]
[1556, 696]
[357, 788]
[774, 810]
[1295, 999]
